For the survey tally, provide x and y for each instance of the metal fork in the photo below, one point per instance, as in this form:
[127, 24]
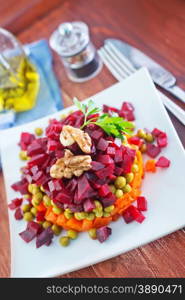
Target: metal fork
[121, 68]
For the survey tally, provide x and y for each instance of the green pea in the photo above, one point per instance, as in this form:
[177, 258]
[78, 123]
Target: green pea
[56, 229]
[98, 213]
[135, 168]
[64, 241]
[47, 201]
[63, 116]
[127, 188]
[120, 182]
[119, 193]
[92, 233]
[141, 133]
[37, 198]
[112, 188]
[33, 210]
[38, 131]
[109, 209]
[42, 189]
[36, 190]
[28, 216]
[129, 177]
[80, 215]
[98, 204]
[57, 210]
[26, 196]
[46, 224]
[149, 138]
[23, 155]
[106, 214]
[26, 207]
[68, 210]
[90, 216]
[30, 187]
[72, 234]
[68, 214]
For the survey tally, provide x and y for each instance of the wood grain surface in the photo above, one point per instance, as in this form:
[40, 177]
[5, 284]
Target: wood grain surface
[156, 27]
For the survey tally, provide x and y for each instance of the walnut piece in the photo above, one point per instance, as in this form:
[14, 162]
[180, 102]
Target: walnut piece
[70, 165]
[70, 135]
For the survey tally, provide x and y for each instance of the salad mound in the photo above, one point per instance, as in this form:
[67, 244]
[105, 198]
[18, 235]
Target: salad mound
[84, 173]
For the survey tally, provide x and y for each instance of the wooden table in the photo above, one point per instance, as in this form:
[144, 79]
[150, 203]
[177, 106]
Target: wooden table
[156, 27]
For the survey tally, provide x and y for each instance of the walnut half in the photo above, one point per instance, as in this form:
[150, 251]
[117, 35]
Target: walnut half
[70, 135]
[70, 165]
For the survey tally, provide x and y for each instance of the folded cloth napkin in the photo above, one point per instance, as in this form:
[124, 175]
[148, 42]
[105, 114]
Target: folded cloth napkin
[49, 99]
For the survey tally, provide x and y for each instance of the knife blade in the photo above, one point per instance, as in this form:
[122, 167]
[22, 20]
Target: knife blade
[160, 75]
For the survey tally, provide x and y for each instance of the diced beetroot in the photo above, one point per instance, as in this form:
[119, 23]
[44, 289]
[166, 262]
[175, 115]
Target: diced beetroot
[34, 227]
[153, 150]
[108, 200]
[15, 203]
[141, 203]
[28, 178]
[102, 144]
[18, 214]
[107, 109]
[127, 216]
[111, 151]
[53, 145]
[113, 144]
[26, 139]
[59, 153]
[118, 171]
[128, 115]
[127, 106]
[112, 177]
[64, 197]
[156, 132]
[37, 160]
[40, 216]
[72, 184]
[75, 208]
[34, 170]
[42, 179]
[118, 156]
[135, 140]
[34, 148]
[84, 189]
[130, 152]
[105, 172]
[162, 140]
[127, 164]
[20, 186]
[88, 205]
[97, 165]
[97, 134]
[44, 238]
[163, 162]
[136, 214]
[31, 231]
[103, 233]
[105, 159]
[104, 190]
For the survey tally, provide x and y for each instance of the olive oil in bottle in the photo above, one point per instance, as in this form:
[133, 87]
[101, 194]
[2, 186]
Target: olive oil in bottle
[19, 79]
[19, 92]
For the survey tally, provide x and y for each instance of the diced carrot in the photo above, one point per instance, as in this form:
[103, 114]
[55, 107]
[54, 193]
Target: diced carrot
[41, 207]
[74, 224]
[100, 222]
[62, 221]
[150, 166]
[87, 224]
[115, 217]
[51, 217]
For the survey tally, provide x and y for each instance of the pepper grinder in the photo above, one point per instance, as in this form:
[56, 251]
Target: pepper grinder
[72, 42]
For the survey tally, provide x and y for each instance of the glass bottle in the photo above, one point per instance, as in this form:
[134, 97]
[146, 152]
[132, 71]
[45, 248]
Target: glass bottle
[19, 80]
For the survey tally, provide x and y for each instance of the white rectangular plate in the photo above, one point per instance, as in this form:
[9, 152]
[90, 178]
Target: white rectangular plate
[164, 190]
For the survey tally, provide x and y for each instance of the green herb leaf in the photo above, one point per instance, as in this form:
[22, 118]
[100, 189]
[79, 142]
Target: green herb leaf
[112, 125]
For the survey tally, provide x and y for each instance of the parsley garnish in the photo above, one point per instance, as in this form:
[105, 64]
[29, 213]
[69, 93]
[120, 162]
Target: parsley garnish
[112, 125]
